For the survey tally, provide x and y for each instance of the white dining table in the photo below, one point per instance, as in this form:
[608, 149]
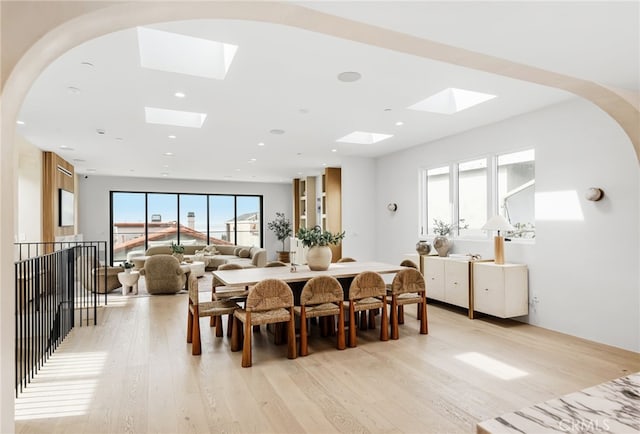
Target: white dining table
[251, 276]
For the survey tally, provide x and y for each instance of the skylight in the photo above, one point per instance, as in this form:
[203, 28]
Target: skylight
[172, 52]
[364, 138]
[174, 117]
[451, 100]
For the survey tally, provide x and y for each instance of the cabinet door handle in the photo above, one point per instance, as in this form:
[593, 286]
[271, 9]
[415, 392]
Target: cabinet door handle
[455, 283]
[486, 289]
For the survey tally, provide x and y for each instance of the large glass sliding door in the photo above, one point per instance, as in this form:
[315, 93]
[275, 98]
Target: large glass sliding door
[162, 219]
[128, 219]
[193, 219]
[248, 220]
[222, 211]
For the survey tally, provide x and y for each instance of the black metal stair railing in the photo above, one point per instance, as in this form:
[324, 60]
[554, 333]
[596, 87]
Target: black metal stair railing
[54, 289]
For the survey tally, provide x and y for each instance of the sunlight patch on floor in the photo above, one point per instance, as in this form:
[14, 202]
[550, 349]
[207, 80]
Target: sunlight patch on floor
[491, 366]
[65, 386]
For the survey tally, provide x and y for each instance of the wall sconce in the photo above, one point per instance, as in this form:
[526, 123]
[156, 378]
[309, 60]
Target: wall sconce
[393, 207]
[594, 194]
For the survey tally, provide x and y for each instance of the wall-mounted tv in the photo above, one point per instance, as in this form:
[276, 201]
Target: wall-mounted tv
[65, 208]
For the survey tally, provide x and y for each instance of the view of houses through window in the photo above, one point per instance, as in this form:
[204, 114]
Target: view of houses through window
[468, 193]
[142, 220]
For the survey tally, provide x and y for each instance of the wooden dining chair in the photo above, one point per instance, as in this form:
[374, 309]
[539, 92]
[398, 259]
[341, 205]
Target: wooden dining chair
[367, 292]
[221, 292]
[411, 264]
[321, 297]
[408, 287]
[269, 302]
[198, 309]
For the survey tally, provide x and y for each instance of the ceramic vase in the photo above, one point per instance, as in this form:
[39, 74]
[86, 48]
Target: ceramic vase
[442, 244]
[423, 247]
[319, 258]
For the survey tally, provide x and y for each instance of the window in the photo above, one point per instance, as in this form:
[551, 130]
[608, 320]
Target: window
[516, 189]
[472, 196]
[142, 220]
[470, 192]
[438, 201]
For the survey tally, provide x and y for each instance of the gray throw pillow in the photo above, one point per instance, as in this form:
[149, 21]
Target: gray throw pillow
[243, 253]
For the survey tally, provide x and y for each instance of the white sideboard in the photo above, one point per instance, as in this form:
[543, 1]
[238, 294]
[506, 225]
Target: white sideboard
[500, 290]
[447, 279]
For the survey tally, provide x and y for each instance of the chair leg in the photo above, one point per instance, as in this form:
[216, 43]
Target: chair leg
[418, 312]
[341, 340]
[291, 335]
[424, 326]
[303, 332]
[189, 324]
[229, 324]
[196, 348]
[401, 314]
[372, 319]
[394, 316]
[363, 320]
[256, 329]
[235, 335]
[246, 347]
[212, 320]
[352, 326]
[384, 322]
[324, 329]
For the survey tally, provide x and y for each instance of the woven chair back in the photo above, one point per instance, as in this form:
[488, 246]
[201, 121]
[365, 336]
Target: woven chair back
[408, 263]
[408, 281]
[215, 282]
[367, 284]
[269, 294]
[321, 289]
[192, 284]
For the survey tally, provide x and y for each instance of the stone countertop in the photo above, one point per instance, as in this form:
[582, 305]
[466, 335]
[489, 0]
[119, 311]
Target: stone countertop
[612, 407]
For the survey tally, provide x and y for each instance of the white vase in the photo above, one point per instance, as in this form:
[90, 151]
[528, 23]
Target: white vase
[127, 270]
[442, 244]
[319, 258]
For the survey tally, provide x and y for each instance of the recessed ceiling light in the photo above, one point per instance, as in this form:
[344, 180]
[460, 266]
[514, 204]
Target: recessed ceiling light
[399, 123]
[303, 111]
[299, 173]
[177, 118]
[237, 170]
[132, 170]
[164, 174]
[19, 122]
[349, 76]
[119, 139]
[89, 64]
[277, 131]
[73, 90]
[334, 150]
[298, 153]
[180, 94]
[79, 160]
[252, 160]
[388, 109]
[451, 100]
[184, 54]
[168, 154]
[172, 136]
[91, 170]
[364, 138]
[227, 176]
[261, 144]
[67, 148]
[324, 164]
[166, 166]
[100, 131]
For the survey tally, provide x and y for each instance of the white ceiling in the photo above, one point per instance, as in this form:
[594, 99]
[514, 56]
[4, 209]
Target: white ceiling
[286, 78]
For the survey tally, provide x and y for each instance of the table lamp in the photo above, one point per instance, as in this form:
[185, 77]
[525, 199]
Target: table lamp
[498, 223]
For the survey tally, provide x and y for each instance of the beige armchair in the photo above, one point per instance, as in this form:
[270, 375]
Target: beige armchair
[163, 275]
[85, 271]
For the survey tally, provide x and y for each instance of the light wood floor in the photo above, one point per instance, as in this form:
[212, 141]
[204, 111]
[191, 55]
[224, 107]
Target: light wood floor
[134, 373]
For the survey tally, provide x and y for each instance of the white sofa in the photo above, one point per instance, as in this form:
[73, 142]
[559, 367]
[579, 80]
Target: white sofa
[215, 255]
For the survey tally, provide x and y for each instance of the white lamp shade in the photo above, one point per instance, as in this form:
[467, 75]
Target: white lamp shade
[497, 223]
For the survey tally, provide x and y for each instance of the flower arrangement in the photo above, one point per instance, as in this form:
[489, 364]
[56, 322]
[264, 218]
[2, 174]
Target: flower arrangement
[177, 248]
[443, 229]
[317, 237]
[281, 226]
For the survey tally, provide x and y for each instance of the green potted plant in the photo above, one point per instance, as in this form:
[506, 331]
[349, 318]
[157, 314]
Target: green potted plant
[318, 242]
[281, 226]
[178, 251]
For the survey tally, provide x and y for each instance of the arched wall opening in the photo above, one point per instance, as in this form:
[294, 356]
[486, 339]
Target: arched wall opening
[81, 24]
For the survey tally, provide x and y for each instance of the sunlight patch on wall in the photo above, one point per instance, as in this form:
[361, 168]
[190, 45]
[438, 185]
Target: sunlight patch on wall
[558, 206]
[491, 366]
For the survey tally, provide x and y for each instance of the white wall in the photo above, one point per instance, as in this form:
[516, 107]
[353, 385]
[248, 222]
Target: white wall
[359, 208]
[93, 202]
[29, 225]
[584, 272]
